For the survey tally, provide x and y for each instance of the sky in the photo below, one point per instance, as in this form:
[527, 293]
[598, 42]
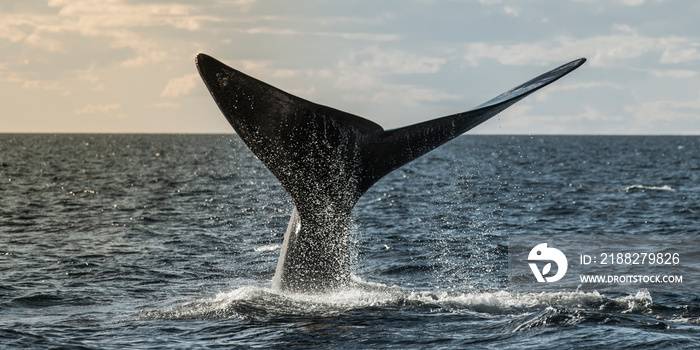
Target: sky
[121, 66]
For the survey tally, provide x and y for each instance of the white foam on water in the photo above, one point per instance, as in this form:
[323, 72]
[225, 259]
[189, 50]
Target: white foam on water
[648, 188]
[255, 302]
[268, 248]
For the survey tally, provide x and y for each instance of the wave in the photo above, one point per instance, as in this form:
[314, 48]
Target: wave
[254, 302]
[267, 248]
[642, 188]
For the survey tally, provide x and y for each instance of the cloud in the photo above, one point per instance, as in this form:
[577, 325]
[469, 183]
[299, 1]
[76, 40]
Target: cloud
[117, 21]
[46, 85]
[544, 94]
[651, 112]
[624, 2]
[411, 95]
[508, 10]
[364, 75]
[680, 51]
[367, 36]
[11, 27]
[98, 109]
[400, 62]
[350, 79]
[89, 75]
[511, 11]
[95, 16]
[48, 44]
[274, 31]
[379, 37]
[579, 86]
[601, 51]
[180, 86]
[167, 105]
[523, 117]
[633, 2]
[678, 74]
[374, 61]
[145, 59]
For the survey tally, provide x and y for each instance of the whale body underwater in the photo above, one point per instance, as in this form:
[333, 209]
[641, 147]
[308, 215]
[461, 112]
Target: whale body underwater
[326, 159]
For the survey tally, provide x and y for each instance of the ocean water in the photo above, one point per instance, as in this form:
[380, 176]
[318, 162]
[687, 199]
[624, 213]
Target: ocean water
[171, 241]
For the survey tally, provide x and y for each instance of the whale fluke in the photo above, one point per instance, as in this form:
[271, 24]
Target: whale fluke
[326, 159]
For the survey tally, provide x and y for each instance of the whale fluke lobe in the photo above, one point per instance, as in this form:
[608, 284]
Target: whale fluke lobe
[326, 159]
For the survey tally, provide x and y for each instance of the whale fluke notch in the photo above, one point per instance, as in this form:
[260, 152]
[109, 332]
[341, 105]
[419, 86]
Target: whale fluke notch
[326, 159]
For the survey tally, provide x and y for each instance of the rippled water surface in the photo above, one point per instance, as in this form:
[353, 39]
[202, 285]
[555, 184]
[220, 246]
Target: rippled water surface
[162, 241]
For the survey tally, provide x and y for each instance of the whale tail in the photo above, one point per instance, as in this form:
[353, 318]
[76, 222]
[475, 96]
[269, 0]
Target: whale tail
[326, 159]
